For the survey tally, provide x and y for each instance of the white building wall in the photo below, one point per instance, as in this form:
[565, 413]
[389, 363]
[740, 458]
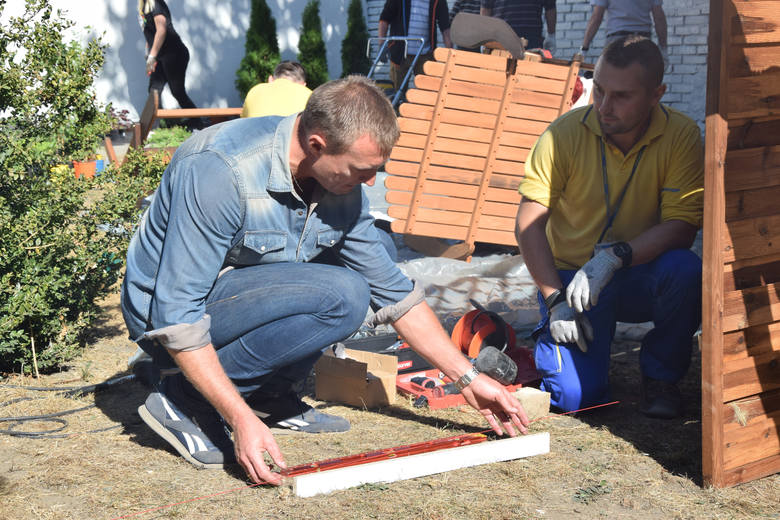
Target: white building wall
[214, 32]
[688, 25]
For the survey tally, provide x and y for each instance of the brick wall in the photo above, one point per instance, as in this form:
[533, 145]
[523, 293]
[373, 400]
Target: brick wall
[687, 20]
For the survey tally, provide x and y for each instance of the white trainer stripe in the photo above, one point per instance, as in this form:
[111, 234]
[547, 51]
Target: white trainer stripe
[168, 409]
[190, 445]
[286, 424]
[297, 422]
[200, 443]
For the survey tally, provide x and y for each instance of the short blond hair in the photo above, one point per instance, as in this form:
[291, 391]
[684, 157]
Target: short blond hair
[346, 109]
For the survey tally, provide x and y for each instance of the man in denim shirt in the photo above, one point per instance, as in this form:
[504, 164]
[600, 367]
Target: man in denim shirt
[225, 278]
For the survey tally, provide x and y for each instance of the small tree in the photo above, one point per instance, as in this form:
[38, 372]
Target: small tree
[59, 252]
[311, 47]
[262, 49]
[353, 47]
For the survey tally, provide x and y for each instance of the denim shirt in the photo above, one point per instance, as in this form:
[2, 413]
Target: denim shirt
[227, 200]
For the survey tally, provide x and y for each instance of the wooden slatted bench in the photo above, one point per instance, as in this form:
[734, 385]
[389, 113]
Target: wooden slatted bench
[152, 112]
[466, 130]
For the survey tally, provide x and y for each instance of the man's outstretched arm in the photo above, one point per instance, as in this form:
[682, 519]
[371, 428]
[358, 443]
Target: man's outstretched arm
[421, 329]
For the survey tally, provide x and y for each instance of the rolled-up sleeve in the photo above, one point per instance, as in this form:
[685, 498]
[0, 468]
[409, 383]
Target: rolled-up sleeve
[682, 194]
[204, 212]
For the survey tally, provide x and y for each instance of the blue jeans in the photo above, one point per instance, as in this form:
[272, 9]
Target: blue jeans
[270, 323]
[666, 291]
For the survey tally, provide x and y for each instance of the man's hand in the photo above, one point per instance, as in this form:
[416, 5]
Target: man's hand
[583, 291]
[495, 402]
[151, 64]
[568, 326]
[252, 439]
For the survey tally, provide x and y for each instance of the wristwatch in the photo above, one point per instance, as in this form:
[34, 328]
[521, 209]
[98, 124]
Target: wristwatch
[466, 379]
[623, 251]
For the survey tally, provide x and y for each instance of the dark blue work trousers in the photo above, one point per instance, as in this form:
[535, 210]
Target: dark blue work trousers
[666, 291]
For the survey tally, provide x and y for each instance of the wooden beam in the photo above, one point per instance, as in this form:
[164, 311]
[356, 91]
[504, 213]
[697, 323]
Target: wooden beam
[403, 468]
[716, 129]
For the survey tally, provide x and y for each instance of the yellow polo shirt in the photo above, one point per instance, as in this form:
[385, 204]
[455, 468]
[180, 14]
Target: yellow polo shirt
[281, 97]
[564, 173]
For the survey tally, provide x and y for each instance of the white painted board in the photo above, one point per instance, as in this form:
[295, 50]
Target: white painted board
[413, 466]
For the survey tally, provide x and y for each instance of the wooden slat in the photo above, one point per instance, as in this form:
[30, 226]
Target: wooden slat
[754, 168]
[750, 410]
[449, 189]
[761, 374]
[761, 202]
[755, 22]
[456, 233]
[716, 134]
[457, 117]
[453, 218]
[753, 134]
[470, 59]
[750, 307]
[499, 209]
[754, 470]
[461, 88]
[753, 272]
[750, 238]
[491, 77]
[752, 442]
[534, 113]
[755, 96]
[749, 61]
[751, 342]
[451, 174]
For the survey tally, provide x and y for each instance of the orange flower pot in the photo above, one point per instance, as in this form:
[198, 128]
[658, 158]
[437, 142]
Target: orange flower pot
[84, 168]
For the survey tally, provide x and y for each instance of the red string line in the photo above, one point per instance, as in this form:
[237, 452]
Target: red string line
[372, 456]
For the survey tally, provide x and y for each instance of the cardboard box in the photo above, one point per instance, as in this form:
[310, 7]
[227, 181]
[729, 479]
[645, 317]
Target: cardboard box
[363, 379]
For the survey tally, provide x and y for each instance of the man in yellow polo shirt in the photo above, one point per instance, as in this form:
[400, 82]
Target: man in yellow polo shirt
[612, 201]
[284, 94]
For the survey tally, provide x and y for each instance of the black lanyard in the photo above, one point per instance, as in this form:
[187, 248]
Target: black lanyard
[612, 214]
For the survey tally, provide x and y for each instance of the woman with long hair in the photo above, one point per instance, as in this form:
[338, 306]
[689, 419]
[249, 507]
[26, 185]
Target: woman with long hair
[166, 55]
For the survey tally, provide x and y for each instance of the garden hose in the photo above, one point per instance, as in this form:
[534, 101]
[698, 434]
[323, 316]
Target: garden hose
[56, 417]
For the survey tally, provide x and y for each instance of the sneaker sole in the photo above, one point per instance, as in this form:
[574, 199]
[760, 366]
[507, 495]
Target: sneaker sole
[163, 432]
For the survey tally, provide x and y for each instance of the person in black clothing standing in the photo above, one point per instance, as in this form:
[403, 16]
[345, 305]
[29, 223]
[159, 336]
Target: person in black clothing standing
[167, 56]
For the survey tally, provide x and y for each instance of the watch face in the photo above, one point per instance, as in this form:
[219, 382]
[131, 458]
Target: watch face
[623, 251]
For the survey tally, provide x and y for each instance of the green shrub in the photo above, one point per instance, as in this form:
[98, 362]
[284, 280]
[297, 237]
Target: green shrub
[353, 47]
[62, 239]
[311, 47]
[261, 49]
[164, 137]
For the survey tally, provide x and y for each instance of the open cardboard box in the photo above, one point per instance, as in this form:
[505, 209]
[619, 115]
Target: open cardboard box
[363, 378]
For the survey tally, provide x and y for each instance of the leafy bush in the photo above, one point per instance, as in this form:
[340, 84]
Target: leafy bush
[353, 46]
[164, 137]
[262, 49]
[311, 47]
[62, 239]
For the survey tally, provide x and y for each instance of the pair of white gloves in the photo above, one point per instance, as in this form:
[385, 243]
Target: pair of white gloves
[567, 323]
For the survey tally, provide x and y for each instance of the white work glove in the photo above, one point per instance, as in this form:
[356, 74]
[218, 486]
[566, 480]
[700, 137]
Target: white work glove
[151, 63]
[665, 54]
[549, 43]
[567, 326]
[583, 291]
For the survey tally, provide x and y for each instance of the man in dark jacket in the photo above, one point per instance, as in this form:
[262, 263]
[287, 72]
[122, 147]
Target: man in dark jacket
[414, 19]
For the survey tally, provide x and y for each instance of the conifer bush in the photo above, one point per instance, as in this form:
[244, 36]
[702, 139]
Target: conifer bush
[261, 49]
[353, 48]
[311, 46]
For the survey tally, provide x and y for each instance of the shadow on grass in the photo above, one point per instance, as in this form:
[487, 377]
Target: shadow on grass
[675, 444]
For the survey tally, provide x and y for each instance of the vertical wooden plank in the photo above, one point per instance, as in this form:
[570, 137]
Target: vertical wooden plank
[716, 142]
[506, 101]
[432, 134]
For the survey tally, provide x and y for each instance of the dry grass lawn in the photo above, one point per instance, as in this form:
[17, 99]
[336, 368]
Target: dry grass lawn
[609, 463]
